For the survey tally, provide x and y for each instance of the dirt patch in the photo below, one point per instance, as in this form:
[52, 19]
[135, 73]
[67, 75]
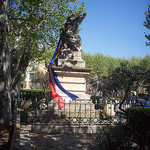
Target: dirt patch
[63, 142]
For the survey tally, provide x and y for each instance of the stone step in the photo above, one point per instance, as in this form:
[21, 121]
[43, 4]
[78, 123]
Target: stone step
[40, 113]
[72, 129]
[73, 106]
[73, 110]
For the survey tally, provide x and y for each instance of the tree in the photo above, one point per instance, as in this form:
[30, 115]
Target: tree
[34, 25]
[147, 24]
[102, 67]
[5, 98]
[126, 78]
[29, 26]
[46, 56]
[145, 64]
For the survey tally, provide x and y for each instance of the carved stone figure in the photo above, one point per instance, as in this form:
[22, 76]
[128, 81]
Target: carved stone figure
[69, 34]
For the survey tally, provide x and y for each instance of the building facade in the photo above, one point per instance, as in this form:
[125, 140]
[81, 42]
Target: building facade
[32, 73]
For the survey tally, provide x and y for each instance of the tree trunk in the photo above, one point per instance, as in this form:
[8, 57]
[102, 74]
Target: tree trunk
[5, 97]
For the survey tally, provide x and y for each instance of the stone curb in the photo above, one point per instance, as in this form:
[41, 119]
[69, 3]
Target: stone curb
[59, 129]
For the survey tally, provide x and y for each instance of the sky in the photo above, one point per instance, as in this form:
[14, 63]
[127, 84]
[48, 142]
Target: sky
[115, 28]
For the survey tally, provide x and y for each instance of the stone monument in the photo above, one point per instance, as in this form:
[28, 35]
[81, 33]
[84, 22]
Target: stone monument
[71, 72]
[70, 67]
[80, 115]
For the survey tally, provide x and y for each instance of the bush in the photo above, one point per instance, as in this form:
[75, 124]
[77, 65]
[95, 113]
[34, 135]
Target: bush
[33, 94]
[115, 138]
[141, 119]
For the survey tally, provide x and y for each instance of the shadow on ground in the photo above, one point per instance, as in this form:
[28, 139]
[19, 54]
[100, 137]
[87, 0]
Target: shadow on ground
[63, 142]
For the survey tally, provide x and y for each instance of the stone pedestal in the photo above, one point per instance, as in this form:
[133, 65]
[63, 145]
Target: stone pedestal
[73, 80]
[71, 72]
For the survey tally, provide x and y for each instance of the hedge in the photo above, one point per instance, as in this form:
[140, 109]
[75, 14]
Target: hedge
[34, 90]
[33, 94]
[141, 118]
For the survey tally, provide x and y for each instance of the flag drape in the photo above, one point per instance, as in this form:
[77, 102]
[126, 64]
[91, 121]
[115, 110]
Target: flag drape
[59, 94]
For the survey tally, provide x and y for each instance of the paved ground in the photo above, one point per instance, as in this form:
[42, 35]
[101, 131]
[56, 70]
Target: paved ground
[63, 142]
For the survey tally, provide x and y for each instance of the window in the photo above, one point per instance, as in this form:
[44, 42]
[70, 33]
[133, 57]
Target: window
[32, 76]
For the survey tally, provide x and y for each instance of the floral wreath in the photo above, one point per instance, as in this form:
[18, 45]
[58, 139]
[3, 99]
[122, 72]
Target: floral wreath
[43, 106]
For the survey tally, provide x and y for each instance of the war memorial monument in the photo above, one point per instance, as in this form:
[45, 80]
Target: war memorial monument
[79, 115]
[71, 71]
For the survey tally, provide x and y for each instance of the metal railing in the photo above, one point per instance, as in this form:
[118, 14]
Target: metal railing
[74, 113]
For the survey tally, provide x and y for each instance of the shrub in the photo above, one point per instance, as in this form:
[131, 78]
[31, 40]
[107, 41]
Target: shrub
[115, 138]
[141, 119]
[33, 94]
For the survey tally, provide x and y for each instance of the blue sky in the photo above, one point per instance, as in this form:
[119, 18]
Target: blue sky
[115, 28]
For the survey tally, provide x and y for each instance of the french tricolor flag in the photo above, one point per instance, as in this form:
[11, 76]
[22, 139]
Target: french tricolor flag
[59, 94]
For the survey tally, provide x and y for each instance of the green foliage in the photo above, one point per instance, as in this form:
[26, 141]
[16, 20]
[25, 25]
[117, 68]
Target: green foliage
[115, 138]
[34, 90]
[33, 94]
[147, 24]
[112, 64]
[40, 21]
[33, 27]
[135, 61]
[102, 66]
[145, 64]
[46, 56]
[99, 67]
[141, 119]
[79, 9]
[116, 74]
[125, 75]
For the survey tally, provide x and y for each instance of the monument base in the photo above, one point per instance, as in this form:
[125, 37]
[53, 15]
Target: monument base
[73, 80]
[71, 72]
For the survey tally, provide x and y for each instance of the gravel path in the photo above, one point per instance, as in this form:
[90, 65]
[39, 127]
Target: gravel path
[63, 142]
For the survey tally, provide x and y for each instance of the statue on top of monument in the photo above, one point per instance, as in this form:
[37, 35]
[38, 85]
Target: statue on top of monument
[69, 35]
